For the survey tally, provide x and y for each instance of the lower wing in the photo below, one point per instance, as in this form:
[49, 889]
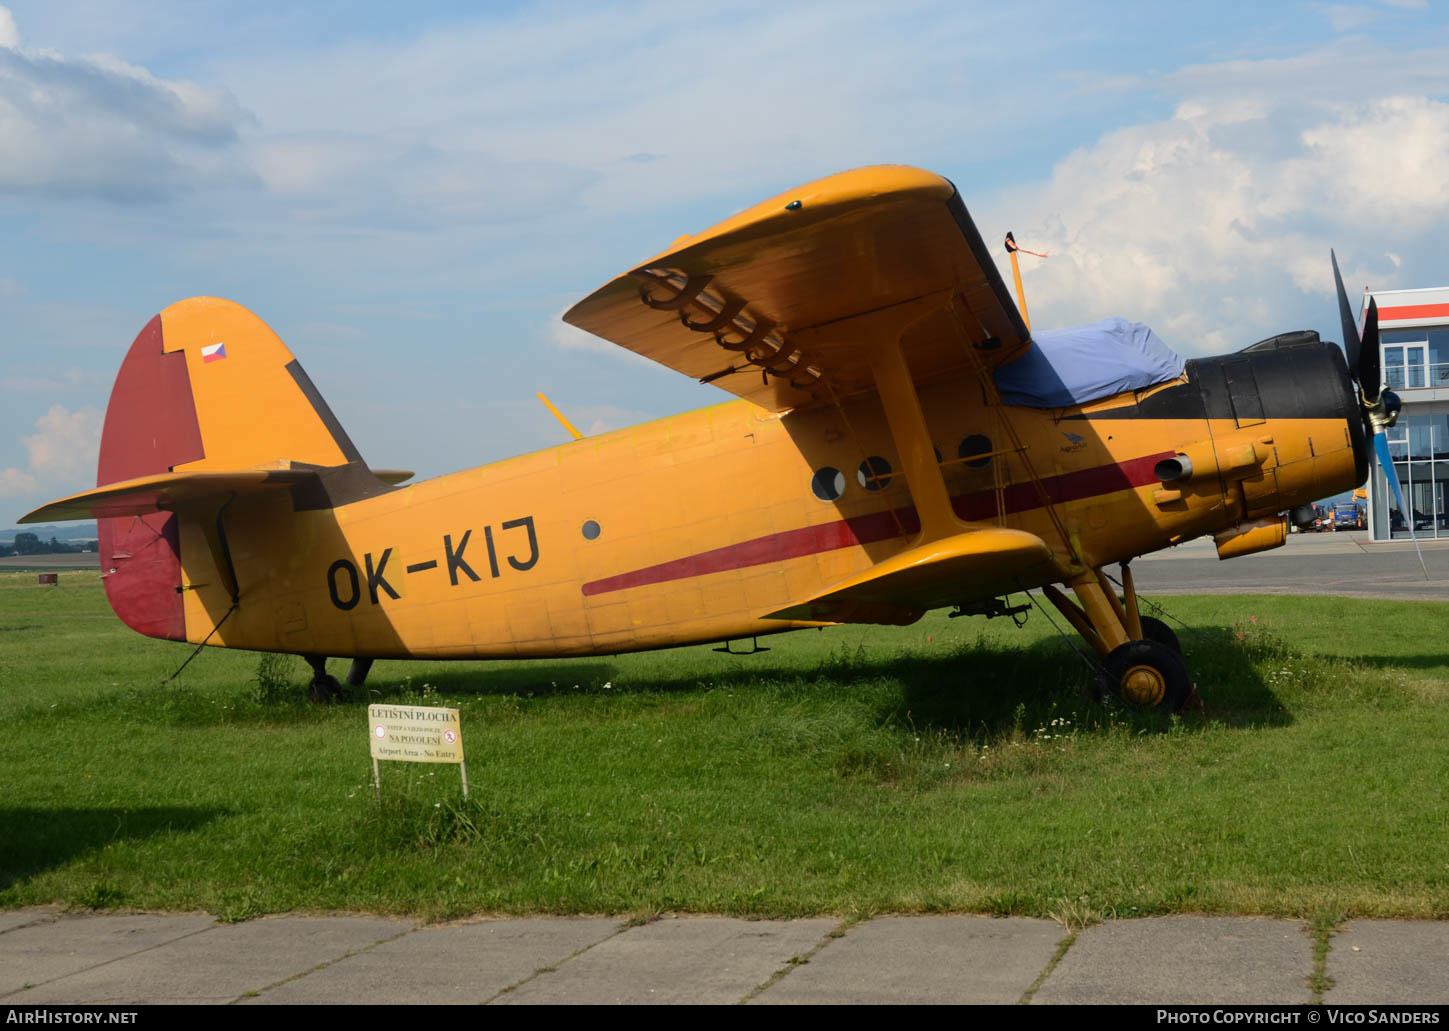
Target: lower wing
[970, 565]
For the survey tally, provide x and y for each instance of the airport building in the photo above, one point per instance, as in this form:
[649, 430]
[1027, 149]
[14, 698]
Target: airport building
[1414, 336]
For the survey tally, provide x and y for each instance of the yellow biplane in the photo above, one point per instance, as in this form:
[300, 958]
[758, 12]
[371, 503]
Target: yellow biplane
[870, 470]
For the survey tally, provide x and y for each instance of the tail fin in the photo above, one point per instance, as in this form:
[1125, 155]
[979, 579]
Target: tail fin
[251, 402]
[206, 387]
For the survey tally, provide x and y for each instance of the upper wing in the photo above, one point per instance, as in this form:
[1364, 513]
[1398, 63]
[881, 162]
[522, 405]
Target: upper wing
[771, 304]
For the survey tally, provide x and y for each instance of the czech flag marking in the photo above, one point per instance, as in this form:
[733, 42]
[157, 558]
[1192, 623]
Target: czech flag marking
[213, 353]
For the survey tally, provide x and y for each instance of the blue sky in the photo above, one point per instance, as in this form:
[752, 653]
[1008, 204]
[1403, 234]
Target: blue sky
[410, 194]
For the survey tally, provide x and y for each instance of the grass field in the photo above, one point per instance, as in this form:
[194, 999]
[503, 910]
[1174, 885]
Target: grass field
[50, 563]
[952, 765]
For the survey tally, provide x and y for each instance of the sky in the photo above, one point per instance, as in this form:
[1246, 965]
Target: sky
[411, 194]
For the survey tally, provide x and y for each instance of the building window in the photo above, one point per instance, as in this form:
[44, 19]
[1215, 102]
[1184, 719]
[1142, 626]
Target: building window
[1404, 365]
[1417, 446]
[1420, 354]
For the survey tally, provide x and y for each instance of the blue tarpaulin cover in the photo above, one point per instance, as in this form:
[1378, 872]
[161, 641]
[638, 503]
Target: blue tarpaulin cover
[1065, 367]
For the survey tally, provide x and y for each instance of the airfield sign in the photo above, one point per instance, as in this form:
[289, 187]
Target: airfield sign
[415, 733]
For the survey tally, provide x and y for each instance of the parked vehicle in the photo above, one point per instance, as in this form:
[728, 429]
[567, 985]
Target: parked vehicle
[1347, 515]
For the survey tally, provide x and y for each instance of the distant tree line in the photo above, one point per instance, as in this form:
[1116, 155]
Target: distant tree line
[30, 544]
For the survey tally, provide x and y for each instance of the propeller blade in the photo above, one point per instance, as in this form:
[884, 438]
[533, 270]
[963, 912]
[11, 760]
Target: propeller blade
[1381, 450]
[1370, 379]
[1351, 343]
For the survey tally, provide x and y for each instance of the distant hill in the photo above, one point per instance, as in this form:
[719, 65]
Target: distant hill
[63, 532]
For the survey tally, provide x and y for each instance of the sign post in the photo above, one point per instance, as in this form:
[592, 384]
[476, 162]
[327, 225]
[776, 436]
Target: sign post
[415, 733]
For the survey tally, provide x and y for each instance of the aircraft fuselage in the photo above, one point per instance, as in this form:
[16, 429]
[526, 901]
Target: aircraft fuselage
[691, 528]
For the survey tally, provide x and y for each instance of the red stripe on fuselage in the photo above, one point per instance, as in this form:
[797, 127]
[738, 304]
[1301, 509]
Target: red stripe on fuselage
[978, 506]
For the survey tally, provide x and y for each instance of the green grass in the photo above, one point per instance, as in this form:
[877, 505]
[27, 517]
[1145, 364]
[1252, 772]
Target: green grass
[950, 766]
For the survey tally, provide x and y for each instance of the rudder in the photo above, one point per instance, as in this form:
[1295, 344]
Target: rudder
[206, 386]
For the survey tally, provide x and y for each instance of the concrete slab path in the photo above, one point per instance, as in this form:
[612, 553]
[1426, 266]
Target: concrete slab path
[49, 957]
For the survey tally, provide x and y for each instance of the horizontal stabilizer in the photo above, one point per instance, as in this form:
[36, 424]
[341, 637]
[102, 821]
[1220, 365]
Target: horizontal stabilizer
[965, 567]
[164, 492]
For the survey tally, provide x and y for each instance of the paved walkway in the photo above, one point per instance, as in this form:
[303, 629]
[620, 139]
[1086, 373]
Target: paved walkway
[47, 957]
[1346, 564]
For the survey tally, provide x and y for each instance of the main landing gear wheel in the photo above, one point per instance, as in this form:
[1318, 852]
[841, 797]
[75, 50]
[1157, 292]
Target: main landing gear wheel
[1148, 675]
[1157, 630]
[323, 687]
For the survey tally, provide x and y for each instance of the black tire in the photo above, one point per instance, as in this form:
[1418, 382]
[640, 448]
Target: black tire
[1157, 630]
[324, 689]
[1148, 675]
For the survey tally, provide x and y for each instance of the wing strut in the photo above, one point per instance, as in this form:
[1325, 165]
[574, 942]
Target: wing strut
[885, 328]
[913, 443]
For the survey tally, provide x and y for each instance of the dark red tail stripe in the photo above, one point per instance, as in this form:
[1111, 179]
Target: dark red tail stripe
[150, 427]
[880, 526]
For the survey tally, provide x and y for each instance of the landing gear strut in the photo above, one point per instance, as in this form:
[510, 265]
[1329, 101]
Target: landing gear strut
[1141, 657]
[357, 672]
[323, 688]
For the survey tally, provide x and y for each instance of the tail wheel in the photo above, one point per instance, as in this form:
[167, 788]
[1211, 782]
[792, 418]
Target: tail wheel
[1148, 675]
[1157, 630]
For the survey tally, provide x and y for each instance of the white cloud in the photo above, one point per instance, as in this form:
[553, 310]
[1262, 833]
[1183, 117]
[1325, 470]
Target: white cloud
[402, 180]
[62, 452]
[72, 378]
[1350, 73]
[623, 106]
[67, 444]
[1347, 17]
[15, 483]
[9, 31]
[570, 338]
[1193, 225]
[597, 419]
[99, 127]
